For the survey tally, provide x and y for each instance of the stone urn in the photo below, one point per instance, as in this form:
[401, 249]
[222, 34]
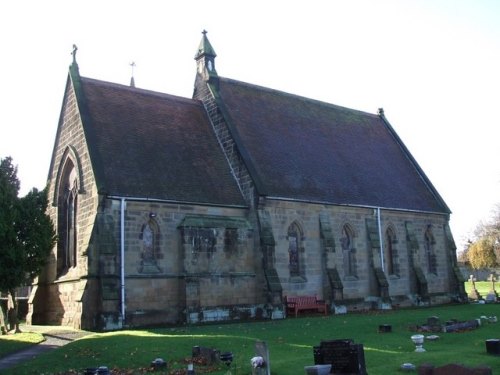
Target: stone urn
[418, 340]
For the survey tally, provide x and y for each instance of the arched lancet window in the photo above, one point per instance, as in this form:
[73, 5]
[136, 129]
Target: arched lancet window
[429, 250]
[390, 251]
[67, 207]
[149, 237]
[348, 250]
[294, 248]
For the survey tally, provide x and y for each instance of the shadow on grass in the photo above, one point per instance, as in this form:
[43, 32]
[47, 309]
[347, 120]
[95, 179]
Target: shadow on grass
[12, 343]
[290, 343]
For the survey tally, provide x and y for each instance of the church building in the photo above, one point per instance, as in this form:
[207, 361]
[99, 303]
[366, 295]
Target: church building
[177, 210]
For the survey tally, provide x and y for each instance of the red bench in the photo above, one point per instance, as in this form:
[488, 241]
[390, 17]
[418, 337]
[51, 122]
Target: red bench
[298, 303]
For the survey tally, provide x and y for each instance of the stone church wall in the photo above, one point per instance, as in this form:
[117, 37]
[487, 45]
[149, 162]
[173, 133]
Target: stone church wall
[361, 284]
[59, 296]
[184, 270]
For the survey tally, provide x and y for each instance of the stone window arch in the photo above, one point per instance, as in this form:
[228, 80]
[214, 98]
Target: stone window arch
[67, 214]
[430, 255]
[348, 251]
[295, 249]
[391, 253]
[149, 245]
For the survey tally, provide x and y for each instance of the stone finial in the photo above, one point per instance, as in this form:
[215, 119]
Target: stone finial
[132, 80]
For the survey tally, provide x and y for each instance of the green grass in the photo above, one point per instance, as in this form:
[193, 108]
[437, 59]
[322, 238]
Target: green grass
[483, 287]
[290, 343]
[12, 343]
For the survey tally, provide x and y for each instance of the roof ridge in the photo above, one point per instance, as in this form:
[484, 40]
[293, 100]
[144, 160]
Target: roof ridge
[297, 96]
[138, 89]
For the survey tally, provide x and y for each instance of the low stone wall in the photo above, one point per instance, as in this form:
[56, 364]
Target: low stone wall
[480, 275]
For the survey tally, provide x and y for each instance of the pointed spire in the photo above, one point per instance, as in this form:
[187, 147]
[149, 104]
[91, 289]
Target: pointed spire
[205, 48]
[205, 59]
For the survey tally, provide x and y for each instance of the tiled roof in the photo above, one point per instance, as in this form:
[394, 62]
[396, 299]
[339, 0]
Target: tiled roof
[303, 149]
[152, 145]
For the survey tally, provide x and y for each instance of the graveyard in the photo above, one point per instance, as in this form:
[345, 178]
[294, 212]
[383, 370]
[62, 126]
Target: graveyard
[452, 339]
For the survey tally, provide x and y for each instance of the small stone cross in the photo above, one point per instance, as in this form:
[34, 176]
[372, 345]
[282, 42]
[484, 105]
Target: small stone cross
[472, 280]
[473, 294]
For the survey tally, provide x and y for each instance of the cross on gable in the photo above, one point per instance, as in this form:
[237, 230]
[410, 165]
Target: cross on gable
[73, 53]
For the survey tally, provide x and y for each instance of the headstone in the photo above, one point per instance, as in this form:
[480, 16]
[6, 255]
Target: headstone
[492, 294]
[262, 351]
[493, 346]
[491, 297]
[473, 294]
[462, 326]
[434, 324]
[384, 328]
[492, 278]
[209, 356]
[344, 356]
[433, 321]
[158, 364]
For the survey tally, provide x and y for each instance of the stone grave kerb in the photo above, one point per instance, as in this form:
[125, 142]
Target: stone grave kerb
[261, 350]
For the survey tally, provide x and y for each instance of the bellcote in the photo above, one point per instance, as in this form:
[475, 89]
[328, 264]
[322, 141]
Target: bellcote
[205, 58]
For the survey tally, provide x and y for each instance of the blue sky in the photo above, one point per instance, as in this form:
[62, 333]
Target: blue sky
[432, 65]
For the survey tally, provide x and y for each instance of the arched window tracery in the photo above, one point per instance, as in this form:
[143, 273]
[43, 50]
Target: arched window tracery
[348, 251]
[430, 255]
[67, 228]
[294, 237]
[390, 251]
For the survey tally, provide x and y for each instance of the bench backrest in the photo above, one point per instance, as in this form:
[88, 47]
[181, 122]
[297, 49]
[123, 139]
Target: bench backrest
[302, 300]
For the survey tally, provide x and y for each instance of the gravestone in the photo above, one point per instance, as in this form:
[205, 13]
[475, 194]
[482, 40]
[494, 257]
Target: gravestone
[261, 350]
[346, 357]
[493, 346]
[208, 356]
[473, 294]
[433, 321]
[384, 328]
[492, 278]
[491, 298]
[462, 326]
[492, 295]
[434, 324]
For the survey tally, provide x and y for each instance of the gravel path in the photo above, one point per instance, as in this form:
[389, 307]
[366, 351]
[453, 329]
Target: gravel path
[55, 337]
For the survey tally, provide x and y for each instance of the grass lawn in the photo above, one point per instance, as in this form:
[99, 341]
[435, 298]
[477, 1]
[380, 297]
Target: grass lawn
[483, 287]
[290, 343]
[12, 343]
